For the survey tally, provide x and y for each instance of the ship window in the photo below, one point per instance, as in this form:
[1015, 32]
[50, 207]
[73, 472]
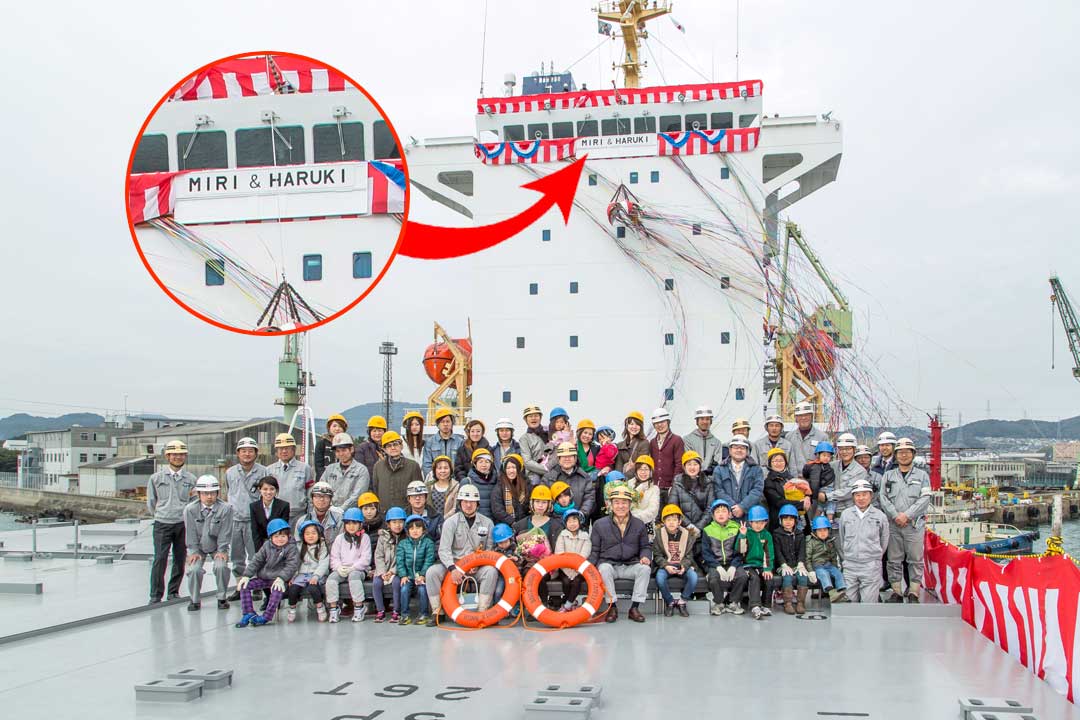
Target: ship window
[215, 272]
[573, 287]
[633, 178]
[592, 178]
[515, 133]
[740, 393]
[327, 142]
[725, 282]
[645, 124]
[385, 144]
[257, 146]
[747, 120]
[361, 264]
[720, 121]
[207, 151]
[545, 235]
[669, 338]
[724, 173]
[775, 165]
[587, 128]
[654, 176]
[698, 118]
[460, 180]
[534, 288]
[541, 128]
[573, 395]
[573, 341]
[695, 228]
[151, 155]
[725, 338]
[313, 267]
[670, 123]
[669, 393]
[506, 396]
[620, 232]
[562, 129]
[521, 343]
[669, 283]
[615, 126]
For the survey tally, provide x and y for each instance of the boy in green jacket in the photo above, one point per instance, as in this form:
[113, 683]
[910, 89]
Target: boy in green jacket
[415, 554]
[757, 546]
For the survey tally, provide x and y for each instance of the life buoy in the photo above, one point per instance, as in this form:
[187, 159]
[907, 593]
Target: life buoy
[495, 613]
[559, 618]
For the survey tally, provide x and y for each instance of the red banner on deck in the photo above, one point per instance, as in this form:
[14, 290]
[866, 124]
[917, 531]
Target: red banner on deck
[1028, 607]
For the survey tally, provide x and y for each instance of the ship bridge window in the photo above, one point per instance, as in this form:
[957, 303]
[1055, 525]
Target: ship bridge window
[645, 124]
[328, 145]
[541, 128]
[204, 150]
[615, 126]
[513, 133]
[361, 264]
[671, 123]
[775, 165]
[263, 146]
[152, 154]
[385, 144]
[699, 118]
[312, 267]
[587, 128]
[562, 129]
[460, 180]
[215, 272]
[720, 121]
[746, 121]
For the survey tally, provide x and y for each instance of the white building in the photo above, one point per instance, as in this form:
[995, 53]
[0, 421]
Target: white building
[61, 452]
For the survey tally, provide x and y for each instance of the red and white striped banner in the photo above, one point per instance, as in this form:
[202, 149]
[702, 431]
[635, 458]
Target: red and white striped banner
[386, 195]
[248, 77]
[701, 142]
[150, 195]
[623, 96]
[527, 152]
[1027, 607]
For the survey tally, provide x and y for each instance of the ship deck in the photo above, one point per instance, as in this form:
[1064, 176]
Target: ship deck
[886, 661]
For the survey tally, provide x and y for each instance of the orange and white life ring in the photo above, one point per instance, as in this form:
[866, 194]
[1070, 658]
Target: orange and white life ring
[491, 616]
[559, 618]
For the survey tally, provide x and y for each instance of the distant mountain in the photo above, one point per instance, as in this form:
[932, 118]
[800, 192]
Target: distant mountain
[358, 415]
[971, 434]
[20, 423]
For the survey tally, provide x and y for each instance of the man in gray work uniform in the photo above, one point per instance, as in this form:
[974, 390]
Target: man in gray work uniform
[168, 491]
[863, 538]
[905, 498]
[804, 437]
[294, 477]
[242, 484]
[208, 531]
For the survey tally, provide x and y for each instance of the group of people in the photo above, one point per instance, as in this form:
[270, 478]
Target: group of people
[752, 518]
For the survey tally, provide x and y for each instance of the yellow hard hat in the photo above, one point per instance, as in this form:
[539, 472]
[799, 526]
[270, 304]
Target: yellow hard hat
[558, 488]
[439, 458]
[479, 453]
[645, 460]
[284, 440]
[670, 509]
[337, 418]
[390, 436]
[775, 451]
[409, 416]
[740, 424]
[368, 498]
[175, 446]
[690, 455]
[565, 449]
[443, 412]
[514, 456]
[376, 421]
[586, 423]
[541, 492]
[636, 416]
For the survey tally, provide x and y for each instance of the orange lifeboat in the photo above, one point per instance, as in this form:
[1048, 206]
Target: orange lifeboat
[438, 357]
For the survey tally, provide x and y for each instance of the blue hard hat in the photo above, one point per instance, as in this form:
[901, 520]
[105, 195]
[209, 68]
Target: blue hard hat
[558, 412]
[574, 511]
[821, 523]
[354, 514]
[757, 514]
[718, 502]
[788, 511]
[309, 523]
[409, 520]
[501, 533]
[613, 476]
[606, 430]
[276, 525]
[395, 513]
[824, 446]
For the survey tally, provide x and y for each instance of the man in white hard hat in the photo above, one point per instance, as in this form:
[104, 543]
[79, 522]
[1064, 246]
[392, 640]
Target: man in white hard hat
[905, 499]
[323, 512]
[666, 449]
[348, 476]
[773, 438]
[848, 473]
[208, 533]
[168, 491]
[804, 437]
[863, 537]
[294, 477]
[885, 459]
[533, 443]
[463, 533]
[702, 441]
[242, 484]
[739, 479]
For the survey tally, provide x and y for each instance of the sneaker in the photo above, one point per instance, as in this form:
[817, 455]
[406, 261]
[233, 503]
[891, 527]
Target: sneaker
[757, 613]
[335, 614]
[766, 611]
[669, 609]
[913, 598]
[841, 597]
[379, 617]
[735, 609]
[395, 617]
[423, 620]
[681, 608]
[895, 597]
[406, 620]
[717, 609]
[222, 604]
[195, 607]
[359, 613]
[234, 596]
[292, 615]
[320, 612]
[245, 620]
[259, 621]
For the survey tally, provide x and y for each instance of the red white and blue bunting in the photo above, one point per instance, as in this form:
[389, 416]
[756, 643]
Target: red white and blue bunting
[527, 152]
[622, 96]
[701, 142]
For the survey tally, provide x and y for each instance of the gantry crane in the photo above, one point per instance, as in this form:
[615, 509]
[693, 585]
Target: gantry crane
[1068, 319]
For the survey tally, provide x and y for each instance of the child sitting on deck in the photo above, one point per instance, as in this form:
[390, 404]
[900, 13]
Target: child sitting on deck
[273, 566]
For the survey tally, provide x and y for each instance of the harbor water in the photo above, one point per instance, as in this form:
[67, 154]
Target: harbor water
[7, 522]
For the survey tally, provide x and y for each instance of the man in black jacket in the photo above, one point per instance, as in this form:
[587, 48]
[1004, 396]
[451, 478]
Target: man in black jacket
[621, 550]
[266, 509]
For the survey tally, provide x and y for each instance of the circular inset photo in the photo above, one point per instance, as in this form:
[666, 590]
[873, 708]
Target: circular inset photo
[267, 193]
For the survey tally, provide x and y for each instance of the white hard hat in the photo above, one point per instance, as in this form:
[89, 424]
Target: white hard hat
[246, 442]
[207, 483]
[416, 487]
[703, 412]
[504, 423]
[905, 444]
[660, 415]
[886, 438]
[862, 486]
[774, 419]
[846, 440]
[468, 492]
[739, 440]
[342, 440]
[175, 446]
[862, 450]
[322, 488]
[804, 408]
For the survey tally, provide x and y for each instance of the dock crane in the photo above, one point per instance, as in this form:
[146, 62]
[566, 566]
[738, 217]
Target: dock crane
[1068, 319]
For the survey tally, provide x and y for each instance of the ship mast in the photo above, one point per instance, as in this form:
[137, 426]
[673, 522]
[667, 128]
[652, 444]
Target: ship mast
[631, 16]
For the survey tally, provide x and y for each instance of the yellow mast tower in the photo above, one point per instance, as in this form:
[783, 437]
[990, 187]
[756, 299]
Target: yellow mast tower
[631, 16]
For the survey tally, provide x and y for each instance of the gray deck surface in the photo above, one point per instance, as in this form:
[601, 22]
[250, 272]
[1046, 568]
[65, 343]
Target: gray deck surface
[56, 540]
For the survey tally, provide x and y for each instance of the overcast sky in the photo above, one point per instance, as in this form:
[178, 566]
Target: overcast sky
[952, 207]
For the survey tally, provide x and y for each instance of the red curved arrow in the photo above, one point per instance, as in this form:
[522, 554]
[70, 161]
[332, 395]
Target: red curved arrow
[430, 242]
